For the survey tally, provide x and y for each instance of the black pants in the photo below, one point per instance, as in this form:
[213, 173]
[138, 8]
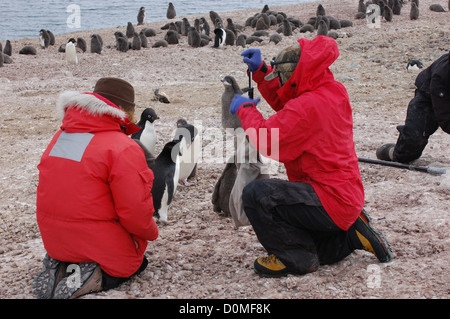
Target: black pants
[110, 282]
[291, 223]
[420, 124]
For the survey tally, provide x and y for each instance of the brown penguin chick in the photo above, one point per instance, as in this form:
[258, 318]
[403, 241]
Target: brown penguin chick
[171, 12]
[414, 13]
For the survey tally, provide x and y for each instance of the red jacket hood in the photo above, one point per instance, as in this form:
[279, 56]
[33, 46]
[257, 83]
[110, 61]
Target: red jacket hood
[90, 112]
[312, 70]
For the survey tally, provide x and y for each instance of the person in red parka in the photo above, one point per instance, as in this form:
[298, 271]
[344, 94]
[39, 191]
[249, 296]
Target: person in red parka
[94, 204]
[317, 216]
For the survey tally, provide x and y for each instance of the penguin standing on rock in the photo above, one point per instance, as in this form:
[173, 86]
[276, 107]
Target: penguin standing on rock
[141, 16]
[44, 39]
[171, 13]
[96, 44]
[147, 135]
[130, 30]
[81, 43]
[414, 12]
[220, 37]
[71, 52]
[414, 65]
[189, 150]
[166, 171]
[222, 189]
[8, 48]
[136, 44]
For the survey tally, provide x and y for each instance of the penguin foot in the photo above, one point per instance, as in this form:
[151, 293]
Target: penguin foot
[186, 183]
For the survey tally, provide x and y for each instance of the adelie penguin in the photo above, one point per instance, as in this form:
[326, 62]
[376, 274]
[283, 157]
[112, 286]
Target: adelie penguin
[414, 65]
[189, 150]
[71, 52]
[166, 171]
[147, 135]
[220, 37]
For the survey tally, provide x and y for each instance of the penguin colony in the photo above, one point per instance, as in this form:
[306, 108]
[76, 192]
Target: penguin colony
[218, 32]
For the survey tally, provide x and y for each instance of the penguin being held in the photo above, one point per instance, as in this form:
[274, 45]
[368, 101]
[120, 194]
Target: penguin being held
[71, 52]
[166, 171]
[147, 135]
[231, 89]
[189, 140]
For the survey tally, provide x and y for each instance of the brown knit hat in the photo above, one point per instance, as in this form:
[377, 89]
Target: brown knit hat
[118, 91]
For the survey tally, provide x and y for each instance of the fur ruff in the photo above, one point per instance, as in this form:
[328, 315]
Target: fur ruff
[89, 103]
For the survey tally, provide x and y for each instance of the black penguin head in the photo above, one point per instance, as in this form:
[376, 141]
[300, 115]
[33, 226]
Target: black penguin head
[72, 40]
[230, 82]
[181, 122]
[149, 114]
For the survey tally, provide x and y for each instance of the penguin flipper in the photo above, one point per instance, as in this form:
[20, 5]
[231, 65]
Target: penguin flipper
[170, 187]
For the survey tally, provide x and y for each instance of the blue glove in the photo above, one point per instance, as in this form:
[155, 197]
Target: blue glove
[240, 100]
[253, 58]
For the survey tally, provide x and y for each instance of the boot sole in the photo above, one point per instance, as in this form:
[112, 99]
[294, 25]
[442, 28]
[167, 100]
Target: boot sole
[44, 283]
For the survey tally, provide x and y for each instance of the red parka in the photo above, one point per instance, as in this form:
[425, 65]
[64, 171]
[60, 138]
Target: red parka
[93, 199]
[314, 118]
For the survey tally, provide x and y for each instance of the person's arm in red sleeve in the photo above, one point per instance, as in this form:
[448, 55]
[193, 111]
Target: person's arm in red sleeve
[131, 182]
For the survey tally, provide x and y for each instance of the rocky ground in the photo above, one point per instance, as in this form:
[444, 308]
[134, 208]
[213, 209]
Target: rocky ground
[200, 254]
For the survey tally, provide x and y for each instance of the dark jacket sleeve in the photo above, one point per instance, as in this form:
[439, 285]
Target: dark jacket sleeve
[440, 93]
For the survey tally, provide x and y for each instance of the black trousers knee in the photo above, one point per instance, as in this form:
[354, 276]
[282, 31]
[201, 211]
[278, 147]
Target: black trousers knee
[110, 282]
[291, 223]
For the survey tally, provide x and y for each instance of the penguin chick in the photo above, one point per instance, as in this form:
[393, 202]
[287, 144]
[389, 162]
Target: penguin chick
[231, 88]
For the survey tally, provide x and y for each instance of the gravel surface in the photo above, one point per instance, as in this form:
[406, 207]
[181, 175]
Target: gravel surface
[200, 254]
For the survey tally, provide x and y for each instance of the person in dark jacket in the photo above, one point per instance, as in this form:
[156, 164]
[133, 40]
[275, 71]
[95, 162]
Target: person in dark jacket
[427, 111]
[316, 217]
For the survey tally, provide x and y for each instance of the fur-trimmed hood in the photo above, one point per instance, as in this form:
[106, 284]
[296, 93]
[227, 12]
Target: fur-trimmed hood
[89, 102]
[95, 105]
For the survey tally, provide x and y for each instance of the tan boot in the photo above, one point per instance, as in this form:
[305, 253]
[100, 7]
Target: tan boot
[45, 282]
[86, 279]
